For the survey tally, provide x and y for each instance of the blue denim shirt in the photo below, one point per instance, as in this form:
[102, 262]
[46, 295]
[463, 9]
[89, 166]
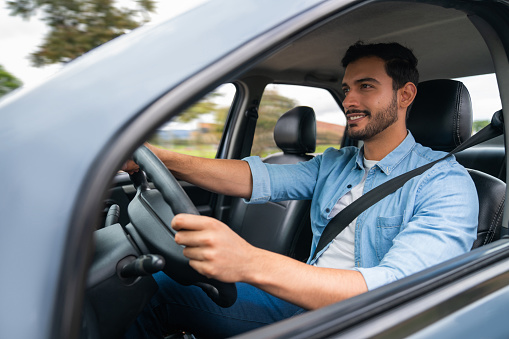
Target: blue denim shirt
[432, 218]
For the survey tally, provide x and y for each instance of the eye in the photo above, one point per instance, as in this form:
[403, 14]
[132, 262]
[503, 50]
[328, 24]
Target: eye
[345, 90]
[366, 86]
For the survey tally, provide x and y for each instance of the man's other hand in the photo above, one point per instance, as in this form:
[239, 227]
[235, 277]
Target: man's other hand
[213, 248]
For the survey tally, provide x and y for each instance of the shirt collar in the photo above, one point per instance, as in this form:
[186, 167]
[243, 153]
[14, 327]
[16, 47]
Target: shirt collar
[392, 159]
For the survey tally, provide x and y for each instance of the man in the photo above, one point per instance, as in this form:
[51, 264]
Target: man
[429, 220]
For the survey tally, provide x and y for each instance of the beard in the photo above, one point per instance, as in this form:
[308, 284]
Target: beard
[378, 122]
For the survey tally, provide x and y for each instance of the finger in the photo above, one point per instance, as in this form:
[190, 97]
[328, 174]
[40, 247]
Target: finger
[191, 222]
[194, 238]
[126, 164]
[197, 253]
[129, 164]
[130, 167]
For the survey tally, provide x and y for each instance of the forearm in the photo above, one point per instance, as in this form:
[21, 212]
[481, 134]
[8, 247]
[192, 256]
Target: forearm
[304, 285]
[229, 177]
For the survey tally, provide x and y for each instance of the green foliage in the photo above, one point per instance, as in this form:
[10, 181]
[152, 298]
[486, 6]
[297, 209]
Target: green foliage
[479, 125]
[77, 26]
[8, 82]
[204, 106]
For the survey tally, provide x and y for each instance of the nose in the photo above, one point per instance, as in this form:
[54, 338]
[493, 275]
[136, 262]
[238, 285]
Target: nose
[350, 101]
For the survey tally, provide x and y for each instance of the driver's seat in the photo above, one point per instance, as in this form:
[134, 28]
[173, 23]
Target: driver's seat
[441, 118]
[282, 227]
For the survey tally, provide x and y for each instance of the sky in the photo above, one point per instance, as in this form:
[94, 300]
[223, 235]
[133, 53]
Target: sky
[19, 38]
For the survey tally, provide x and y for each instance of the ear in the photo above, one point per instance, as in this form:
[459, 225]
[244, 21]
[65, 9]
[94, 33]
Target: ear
[407, 95]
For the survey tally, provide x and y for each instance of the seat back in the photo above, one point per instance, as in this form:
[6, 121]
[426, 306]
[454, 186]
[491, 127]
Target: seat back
[491, 192]
[441, 118]
[282, 227]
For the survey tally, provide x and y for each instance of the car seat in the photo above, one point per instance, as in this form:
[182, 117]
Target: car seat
[282, 227]
[441, 118]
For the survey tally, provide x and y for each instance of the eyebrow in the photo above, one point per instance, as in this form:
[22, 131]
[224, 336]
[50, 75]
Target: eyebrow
[362, 80]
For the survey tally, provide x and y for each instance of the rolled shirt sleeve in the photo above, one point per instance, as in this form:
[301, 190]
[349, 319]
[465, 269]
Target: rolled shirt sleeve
[278, 182]
[261, 181]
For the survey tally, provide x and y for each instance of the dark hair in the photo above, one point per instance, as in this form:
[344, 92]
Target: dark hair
[400, 62]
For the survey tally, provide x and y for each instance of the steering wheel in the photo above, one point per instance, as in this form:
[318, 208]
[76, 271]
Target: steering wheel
[151, 212]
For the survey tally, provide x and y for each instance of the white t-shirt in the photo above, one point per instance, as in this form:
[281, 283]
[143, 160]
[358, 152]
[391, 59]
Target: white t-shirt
[340, 253]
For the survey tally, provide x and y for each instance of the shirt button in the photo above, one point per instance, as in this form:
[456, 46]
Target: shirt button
[327, 210]
[349, 186]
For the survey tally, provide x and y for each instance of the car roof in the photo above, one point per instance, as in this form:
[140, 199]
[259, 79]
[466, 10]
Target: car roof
[444, 40]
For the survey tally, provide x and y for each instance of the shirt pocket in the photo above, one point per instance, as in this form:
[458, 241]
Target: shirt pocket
[387, 228]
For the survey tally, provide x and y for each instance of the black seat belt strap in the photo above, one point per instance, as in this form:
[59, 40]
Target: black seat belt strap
[252, 117]
[349, 213]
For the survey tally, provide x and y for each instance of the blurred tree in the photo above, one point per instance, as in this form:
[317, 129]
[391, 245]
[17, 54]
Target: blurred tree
[8, 82]
[204, 106]
[77, 26]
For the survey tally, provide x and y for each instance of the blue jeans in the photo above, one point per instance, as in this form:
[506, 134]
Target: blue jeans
[188, 308]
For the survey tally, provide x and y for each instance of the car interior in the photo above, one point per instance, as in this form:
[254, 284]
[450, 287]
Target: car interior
[450, 43]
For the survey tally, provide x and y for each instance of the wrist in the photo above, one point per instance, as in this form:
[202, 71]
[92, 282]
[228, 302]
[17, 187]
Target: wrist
[255, 266]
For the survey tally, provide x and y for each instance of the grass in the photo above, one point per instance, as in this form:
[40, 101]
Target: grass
[322, 148]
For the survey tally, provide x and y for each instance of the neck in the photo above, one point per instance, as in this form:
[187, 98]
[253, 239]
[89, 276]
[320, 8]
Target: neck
[379, 146]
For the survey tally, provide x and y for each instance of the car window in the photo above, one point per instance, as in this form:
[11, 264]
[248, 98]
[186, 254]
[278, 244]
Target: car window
[485, 98]
[197, 130]
[278, 99]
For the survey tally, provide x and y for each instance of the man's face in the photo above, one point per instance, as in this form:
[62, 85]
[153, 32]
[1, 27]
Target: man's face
[371, 104]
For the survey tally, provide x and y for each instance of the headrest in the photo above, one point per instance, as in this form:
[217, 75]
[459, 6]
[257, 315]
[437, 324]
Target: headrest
[295, 131]
[441, 115]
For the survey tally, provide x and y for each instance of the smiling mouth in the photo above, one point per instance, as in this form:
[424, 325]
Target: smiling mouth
[352, 117]
[356, 114]
[356, 117]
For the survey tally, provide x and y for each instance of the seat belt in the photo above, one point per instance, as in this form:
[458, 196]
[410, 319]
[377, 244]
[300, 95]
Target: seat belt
[352, 211]
[252, 117]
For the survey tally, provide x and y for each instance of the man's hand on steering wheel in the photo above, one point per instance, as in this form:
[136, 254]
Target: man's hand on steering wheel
[130, 167]
[213, 248]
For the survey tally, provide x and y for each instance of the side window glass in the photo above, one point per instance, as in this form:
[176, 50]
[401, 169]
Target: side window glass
[278, 99]
[198, 129]
[485, 98]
